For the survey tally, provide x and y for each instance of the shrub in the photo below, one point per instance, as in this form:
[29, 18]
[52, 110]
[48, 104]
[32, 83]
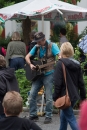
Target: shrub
[24, 84]
[77, 57]
[4, 41]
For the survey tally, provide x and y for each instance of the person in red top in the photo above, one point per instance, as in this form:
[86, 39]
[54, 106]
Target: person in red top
[2, 51]
[83, 116]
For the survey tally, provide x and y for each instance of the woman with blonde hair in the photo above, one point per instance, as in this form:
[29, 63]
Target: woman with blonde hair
[75, 85]
[16, 52]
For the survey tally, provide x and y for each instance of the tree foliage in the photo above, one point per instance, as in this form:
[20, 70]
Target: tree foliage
[70, 1]
[4, 3]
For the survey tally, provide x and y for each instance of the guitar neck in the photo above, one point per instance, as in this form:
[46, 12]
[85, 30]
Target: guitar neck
[45, 65]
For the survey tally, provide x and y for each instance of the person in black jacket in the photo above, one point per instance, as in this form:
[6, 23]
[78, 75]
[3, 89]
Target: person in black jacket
[75, 85]
[12, 104]
[8, 82]
[32, 43]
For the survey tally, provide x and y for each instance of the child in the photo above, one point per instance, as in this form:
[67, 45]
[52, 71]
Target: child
[12, 104]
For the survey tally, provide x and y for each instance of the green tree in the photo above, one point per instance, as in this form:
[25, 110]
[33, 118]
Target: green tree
[71, 1]
[3, 3]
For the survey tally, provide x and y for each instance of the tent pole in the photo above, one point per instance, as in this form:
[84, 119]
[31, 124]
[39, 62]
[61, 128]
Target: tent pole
[43, 23]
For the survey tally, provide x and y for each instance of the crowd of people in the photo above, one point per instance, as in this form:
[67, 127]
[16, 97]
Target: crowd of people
[11, 102]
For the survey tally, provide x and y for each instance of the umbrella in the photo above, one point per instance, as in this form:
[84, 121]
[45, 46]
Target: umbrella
[11, 12]
[42, 7]
[56, 8]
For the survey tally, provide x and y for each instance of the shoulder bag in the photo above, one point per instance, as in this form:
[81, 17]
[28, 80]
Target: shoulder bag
[64, 101]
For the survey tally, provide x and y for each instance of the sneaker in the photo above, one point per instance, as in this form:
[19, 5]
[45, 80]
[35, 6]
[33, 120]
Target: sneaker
[47, 120]
[34, 118]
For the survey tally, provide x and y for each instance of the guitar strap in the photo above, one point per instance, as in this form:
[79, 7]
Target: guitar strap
[46, 45]
[38, 52]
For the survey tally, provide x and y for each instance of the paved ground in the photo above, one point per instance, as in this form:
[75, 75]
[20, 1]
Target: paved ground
[53, 126]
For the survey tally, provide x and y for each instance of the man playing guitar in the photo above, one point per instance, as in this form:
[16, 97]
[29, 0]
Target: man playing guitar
[46, 53]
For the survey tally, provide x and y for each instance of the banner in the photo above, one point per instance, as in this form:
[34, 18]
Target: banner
[55, 16]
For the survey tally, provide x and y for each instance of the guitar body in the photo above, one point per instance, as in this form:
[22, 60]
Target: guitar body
[33, 74]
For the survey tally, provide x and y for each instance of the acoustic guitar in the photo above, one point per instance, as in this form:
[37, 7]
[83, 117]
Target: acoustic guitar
[34, 74]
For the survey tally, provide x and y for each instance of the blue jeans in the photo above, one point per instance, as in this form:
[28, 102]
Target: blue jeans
[67, 116]
[47, 82]
[17, 63]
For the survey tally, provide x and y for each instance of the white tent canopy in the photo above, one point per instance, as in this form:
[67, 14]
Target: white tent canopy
[43, 7]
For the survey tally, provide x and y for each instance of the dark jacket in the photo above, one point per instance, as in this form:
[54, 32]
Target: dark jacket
[17, 123]
[31, 45]
[74, 78]
[8, 82]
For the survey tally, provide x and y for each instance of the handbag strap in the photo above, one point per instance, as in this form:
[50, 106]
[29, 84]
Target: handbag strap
[64, 73]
